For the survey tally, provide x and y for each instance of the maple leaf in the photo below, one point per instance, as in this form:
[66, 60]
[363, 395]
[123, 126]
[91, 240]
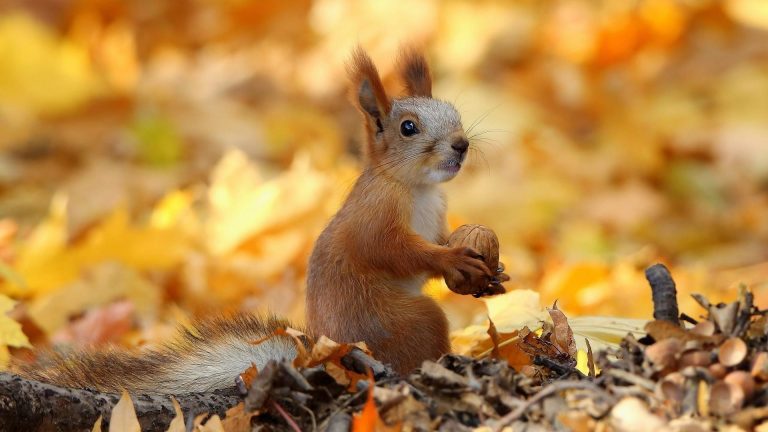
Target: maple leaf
[10, 332]
[46, 262]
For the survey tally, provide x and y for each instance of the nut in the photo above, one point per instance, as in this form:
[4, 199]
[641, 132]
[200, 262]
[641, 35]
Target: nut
[484, 241]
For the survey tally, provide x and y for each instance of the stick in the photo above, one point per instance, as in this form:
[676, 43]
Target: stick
[546, 392]
[664, 293]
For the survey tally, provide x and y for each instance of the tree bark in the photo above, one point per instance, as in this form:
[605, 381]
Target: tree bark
[34, 406]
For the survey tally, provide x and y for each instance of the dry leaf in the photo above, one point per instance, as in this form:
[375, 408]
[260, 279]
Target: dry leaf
[97, 425]
[237, 420]
[212, 425]
[515, 309]
[10, 332]
[562, 334]
[123, 417]
[102, 285]
[177, 424]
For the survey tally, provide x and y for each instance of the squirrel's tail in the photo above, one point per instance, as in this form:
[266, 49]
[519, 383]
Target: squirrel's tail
[207, 356]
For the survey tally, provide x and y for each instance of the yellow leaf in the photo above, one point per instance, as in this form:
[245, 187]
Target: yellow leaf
[45, 244]
[604, 332]
[750, 12]
[103, 284]
[242, 204]
[171, 209]
[10, 331]
[123, 417]
[46, 262]
[516, 309]
[40, 72]
[582, 363]
[177, 424]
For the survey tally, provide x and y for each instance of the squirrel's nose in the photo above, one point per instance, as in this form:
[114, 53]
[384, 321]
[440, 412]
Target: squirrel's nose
[460, 145]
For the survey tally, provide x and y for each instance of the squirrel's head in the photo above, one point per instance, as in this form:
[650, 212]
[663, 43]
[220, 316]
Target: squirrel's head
[415, 138]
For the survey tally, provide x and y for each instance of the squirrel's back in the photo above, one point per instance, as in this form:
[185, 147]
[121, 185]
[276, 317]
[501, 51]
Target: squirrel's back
[207, 356]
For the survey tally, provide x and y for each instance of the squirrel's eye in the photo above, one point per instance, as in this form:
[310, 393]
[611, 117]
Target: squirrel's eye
[407, 128]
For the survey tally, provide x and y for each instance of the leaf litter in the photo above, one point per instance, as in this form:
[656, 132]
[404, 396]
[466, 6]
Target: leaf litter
[673, 378]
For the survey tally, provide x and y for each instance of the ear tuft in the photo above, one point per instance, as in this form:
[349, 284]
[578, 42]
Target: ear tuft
[367, 91]
[414, 71]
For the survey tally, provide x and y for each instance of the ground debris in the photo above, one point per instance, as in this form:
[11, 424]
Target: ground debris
[706, 374]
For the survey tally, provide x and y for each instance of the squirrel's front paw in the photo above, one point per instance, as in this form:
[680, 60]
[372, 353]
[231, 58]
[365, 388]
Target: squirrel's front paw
[465, 272]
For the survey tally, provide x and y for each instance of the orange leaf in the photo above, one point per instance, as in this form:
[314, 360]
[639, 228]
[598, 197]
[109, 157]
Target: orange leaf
[366, 420]
[249, 375]
[515, 356]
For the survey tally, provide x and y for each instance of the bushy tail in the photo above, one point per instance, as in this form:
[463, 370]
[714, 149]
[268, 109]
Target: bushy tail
[207, 356]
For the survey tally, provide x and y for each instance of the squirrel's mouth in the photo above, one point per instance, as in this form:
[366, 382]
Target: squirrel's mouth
[451, 166]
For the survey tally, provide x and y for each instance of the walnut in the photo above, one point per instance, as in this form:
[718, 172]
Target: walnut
[484, 241]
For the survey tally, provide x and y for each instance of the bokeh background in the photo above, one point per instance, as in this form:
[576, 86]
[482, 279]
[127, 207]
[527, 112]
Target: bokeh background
[167, 159]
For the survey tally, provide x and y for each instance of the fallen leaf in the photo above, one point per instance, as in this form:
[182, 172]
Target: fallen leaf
[41, 72]
[104, 284]
[10, 332]
[98, 326]
[516, 309]
[562, 333]
[97, 425]
[237, 419]
[177, 424]
[212, 425]
[123, 417]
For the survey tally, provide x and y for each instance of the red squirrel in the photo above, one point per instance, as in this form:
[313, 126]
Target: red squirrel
[366, 270]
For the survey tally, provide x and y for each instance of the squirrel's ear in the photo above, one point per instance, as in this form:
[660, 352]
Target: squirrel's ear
[414, 70]
[367, 91]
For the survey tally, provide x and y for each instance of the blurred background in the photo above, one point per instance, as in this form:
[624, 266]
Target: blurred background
[166, 159]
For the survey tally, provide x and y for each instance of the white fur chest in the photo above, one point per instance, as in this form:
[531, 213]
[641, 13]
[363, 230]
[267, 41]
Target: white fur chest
[427, 213]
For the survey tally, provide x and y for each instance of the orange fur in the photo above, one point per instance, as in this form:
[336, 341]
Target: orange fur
[362, 72]
[367, 261]
[414, 69]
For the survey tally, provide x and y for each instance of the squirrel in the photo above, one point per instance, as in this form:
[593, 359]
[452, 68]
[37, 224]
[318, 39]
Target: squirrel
[366, 270]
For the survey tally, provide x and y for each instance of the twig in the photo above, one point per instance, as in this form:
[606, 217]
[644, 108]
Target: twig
[395, 401]
[344, 405]
[664, 293]
[553, 365]
[502, 344]
[311, 416]
[288, 419]
[546, 392]
[632, 378]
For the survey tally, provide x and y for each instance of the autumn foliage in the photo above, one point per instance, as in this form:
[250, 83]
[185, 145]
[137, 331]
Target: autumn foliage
[159, 163]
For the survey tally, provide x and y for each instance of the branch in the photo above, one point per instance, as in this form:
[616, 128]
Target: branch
[36, 406]
[664, 293]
